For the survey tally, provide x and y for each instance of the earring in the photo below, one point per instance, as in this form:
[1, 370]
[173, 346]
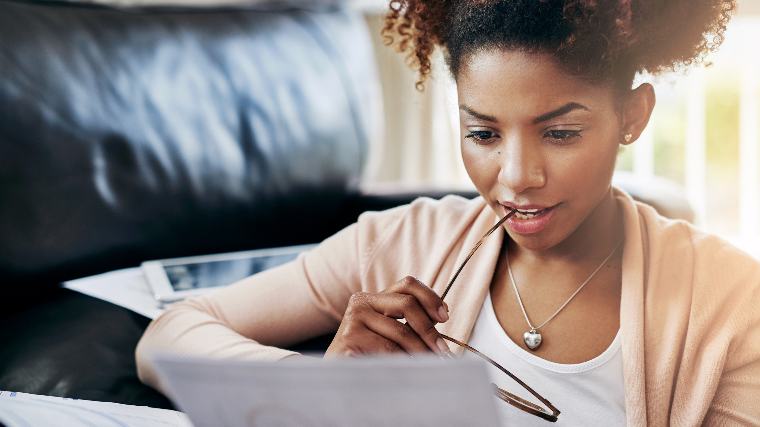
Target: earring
[628, 138]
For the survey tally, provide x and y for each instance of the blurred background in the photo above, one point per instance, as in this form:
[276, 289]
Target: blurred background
[704, 134]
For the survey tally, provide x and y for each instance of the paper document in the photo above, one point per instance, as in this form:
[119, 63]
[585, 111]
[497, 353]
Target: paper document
[391, 391]
[22, 409]
[126, 288]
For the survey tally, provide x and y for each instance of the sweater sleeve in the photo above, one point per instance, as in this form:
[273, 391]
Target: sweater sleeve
[255, 317]
[737, 398]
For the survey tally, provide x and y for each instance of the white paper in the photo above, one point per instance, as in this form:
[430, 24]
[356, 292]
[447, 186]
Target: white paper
[397, 391]
[22, 409]
[126, 288]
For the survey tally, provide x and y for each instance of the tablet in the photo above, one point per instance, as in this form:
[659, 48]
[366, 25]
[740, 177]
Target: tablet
[178, 278]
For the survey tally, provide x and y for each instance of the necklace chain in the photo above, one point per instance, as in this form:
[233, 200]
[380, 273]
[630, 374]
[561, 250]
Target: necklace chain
[519, 298]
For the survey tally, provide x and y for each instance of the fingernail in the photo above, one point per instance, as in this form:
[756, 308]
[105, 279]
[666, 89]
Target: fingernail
[442, 345]
[446, 306]
[442, 315]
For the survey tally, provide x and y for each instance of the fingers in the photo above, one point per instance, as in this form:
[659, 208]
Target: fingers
[403, 301]
[433, 304]
[371, 343]
[406, 306]
[400, 333]
[355, 338]
[369, 324]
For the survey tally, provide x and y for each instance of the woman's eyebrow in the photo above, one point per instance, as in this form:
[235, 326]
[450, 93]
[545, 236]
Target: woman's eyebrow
[570, 106]
[481, 116]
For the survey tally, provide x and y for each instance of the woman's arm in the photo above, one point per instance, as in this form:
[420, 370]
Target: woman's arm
[252, 318]
[737, 398]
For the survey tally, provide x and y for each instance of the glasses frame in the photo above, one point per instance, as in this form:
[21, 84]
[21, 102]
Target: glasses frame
[551, 413]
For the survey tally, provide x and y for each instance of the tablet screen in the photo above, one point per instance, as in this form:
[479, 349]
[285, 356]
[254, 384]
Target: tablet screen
[184, 277]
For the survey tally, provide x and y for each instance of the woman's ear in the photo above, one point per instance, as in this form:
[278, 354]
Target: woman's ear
[636, 110]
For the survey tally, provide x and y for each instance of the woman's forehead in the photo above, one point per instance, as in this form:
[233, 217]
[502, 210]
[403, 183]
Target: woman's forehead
[498, 81]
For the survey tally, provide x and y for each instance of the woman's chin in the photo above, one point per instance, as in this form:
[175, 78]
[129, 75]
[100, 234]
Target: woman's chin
[532, 242]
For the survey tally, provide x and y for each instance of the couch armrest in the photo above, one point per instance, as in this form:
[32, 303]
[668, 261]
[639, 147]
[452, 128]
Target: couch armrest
[68, 344]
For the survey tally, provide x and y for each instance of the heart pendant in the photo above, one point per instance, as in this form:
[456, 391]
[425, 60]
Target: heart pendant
[532, 339]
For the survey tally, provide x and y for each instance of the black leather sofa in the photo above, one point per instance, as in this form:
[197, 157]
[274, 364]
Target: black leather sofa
[139, 134]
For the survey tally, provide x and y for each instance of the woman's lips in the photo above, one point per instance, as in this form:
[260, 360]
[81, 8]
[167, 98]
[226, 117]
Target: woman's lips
[533, 225]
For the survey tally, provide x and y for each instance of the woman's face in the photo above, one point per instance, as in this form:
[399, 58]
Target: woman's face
[534, 137]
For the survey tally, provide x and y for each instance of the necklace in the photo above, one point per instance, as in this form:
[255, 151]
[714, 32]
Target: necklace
[533, 338]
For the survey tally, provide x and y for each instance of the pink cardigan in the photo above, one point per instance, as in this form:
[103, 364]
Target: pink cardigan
[690, 305]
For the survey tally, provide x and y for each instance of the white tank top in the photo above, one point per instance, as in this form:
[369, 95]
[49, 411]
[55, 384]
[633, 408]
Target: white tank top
[591, 393]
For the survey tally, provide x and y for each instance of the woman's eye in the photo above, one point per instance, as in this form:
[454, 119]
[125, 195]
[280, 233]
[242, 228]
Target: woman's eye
[480, 136]
[562, 135]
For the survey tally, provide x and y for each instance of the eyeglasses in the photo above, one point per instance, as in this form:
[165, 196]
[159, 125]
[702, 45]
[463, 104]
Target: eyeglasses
[504, 395]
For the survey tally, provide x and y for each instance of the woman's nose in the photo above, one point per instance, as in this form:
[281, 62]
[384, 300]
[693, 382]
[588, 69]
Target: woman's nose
[522, 166]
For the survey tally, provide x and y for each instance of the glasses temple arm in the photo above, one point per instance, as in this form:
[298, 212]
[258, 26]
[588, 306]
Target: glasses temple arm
[511, 375]
[472, 252]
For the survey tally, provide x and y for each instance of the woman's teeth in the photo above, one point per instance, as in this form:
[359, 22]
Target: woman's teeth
[528, 214]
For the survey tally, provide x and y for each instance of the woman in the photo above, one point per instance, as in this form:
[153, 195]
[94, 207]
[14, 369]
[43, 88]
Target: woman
[615, 313]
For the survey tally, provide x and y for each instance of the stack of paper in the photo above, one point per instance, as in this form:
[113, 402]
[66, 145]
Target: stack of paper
[126, 288]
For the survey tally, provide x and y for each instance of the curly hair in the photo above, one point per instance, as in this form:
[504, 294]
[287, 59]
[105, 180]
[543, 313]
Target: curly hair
[594, 39]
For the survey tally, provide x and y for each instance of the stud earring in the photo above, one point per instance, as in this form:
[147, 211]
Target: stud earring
[628, 138]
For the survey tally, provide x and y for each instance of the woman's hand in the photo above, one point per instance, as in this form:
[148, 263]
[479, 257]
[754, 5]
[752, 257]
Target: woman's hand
[370, 326]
